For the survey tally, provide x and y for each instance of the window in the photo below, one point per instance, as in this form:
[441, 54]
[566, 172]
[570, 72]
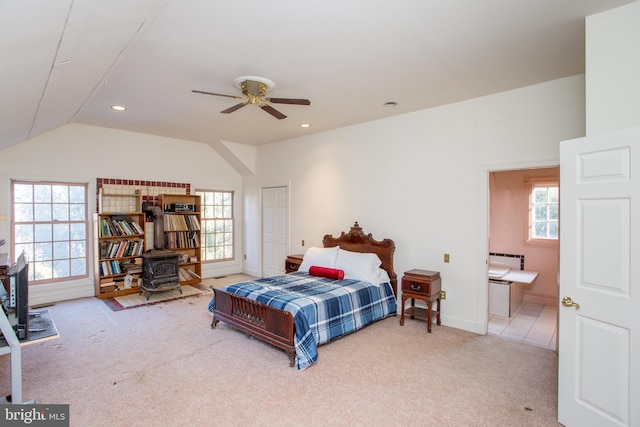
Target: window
[50, 225]
[544, 212]
[217, 225]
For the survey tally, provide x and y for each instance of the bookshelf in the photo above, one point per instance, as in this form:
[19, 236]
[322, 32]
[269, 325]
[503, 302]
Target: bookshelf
[182, 234]
[119, 245]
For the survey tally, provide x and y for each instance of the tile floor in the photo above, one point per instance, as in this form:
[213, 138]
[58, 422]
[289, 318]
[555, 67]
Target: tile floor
[534, 324]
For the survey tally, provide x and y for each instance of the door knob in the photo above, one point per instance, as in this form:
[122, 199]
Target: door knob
[568, 302]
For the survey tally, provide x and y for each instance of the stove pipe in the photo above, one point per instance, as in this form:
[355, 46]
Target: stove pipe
[158, 227]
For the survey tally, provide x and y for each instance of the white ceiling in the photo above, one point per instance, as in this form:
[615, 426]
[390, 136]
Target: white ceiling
[68, 61]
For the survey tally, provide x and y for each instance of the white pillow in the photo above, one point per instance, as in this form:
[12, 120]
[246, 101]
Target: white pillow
[323, 257]
[383, 276]
[359, 266]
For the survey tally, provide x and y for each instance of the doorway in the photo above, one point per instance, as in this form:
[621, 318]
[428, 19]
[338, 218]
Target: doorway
[275, 226]
[525, 312]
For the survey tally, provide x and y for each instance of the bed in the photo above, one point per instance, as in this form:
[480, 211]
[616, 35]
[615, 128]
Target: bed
[300, 311]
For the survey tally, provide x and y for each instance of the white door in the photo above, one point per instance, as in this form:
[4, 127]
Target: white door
[274, 230]
[599, 340]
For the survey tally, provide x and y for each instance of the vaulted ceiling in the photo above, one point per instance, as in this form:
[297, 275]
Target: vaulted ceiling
[69, 61]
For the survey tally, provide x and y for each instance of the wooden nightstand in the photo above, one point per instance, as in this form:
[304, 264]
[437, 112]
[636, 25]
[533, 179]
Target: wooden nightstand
[293, 263]
[423, 285]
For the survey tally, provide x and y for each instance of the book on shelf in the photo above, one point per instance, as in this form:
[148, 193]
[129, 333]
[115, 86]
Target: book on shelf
[137, 227]
[180, 222]
[117, 226]
[109, 288]
[182, 239]
[192, 222]
[122, 248]
[110, 268]
[108, 285]
[132, 267]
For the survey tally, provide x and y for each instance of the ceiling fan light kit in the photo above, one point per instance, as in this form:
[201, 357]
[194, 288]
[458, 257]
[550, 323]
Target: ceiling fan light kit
[255, 90]
[240, 82]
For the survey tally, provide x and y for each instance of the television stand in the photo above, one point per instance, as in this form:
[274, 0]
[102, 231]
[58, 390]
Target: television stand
[42, 328]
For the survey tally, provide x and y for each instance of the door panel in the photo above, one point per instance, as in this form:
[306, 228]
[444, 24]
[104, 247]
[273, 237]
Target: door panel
[607, 391]
[274, 230]
[608, 245]
[600, 236]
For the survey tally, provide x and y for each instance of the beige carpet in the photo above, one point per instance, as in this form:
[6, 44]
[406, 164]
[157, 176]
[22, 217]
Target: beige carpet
[220, 282]
[162, 364]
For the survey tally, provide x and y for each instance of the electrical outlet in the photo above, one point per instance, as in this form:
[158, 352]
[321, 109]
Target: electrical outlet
[446, 257]
[443, 295]
[303, 243]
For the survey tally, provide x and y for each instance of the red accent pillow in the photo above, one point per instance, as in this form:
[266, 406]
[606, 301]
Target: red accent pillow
[330, 273]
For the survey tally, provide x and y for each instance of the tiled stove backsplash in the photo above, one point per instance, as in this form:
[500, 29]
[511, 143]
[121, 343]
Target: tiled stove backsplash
[126, 195]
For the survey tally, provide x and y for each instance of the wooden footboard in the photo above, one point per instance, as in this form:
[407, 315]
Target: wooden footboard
[271, 325]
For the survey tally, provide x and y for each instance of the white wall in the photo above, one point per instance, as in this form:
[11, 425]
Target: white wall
[79, 153]
[420, 179]
[612, 69]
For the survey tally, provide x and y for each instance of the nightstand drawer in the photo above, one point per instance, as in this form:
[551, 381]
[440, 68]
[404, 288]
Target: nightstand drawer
[427, 283]
[291, 266]
[292, 263]
[411, 286]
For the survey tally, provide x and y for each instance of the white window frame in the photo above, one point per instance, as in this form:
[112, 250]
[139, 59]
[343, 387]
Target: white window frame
[46, 244]
[533, 183]
[217, 225]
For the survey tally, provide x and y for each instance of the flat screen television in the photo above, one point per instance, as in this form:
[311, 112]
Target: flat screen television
[16, 302]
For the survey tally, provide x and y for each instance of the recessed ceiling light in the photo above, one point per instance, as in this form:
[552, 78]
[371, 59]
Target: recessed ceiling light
[305, 125]
[390, 104]
[118, 107]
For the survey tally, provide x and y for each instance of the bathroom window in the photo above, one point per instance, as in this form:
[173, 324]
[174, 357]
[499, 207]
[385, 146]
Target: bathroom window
[544, 212]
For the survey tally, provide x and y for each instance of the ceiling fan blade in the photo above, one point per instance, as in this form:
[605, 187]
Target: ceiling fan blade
[275, 113]
[289, 101]
[234, 108]
[216, 94]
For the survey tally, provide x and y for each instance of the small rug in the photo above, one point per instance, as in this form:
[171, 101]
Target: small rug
[136, 300]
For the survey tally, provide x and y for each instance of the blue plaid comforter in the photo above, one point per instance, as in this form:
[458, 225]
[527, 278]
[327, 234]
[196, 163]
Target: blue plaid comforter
[323, 309]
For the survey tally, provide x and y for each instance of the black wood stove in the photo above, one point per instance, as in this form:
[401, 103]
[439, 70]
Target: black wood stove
[160, 271]
[159, 266]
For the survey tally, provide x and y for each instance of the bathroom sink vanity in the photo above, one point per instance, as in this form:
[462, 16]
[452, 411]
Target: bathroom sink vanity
[507, 278]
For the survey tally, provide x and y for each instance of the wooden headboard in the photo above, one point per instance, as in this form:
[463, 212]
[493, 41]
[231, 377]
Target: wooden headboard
[356, 241]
